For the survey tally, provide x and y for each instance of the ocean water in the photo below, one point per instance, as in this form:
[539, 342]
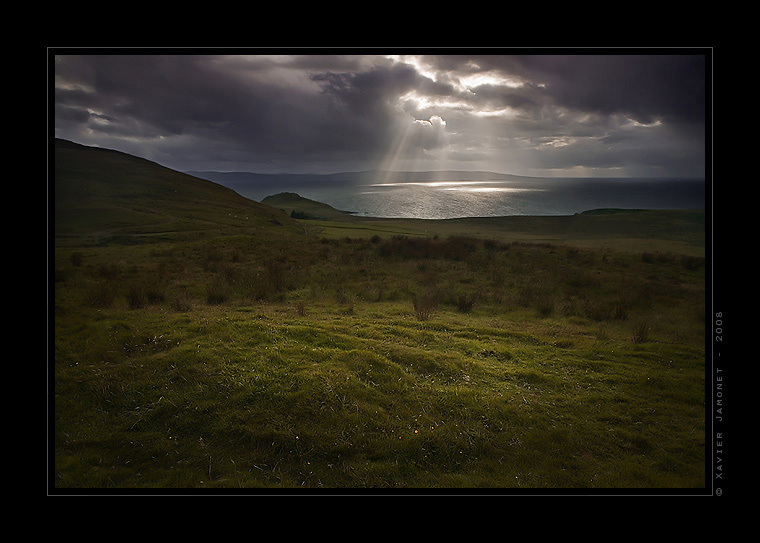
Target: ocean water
[455, 199]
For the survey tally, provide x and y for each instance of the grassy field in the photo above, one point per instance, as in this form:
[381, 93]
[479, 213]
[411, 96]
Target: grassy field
[309, 355]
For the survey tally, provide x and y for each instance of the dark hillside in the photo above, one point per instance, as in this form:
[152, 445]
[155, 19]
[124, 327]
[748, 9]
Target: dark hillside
[303, 208]
[105, 195]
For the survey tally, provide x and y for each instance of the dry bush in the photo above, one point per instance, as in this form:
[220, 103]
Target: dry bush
[425, 305]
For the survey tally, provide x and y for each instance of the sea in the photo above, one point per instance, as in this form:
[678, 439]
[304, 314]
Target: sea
[494, 198]
[450, 195]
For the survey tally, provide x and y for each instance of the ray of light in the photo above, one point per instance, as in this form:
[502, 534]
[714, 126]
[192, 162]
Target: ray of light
[396, 149]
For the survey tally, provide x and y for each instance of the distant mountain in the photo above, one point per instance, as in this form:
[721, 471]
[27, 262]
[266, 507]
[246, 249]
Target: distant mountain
[102, 194]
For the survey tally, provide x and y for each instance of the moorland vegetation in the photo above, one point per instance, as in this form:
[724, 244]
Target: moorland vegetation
[204, 341]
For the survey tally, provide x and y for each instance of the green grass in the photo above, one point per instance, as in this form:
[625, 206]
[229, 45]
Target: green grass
[312, 370]
[204, 341]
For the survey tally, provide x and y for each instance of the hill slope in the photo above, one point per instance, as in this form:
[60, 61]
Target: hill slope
[105, 194]
[304, 208]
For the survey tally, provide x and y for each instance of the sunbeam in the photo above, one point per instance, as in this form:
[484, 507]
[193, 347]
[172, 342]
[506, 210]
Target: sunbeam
[390, 162]
[418, 145]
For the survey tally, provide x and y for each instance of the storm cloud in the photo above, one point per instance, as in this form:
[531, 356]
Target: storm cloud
[544, 115]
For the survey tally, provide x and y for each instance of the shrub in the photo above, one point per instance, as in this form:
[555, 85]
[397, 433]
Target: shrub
[641, 333]
[275, 274]
[458, 248]
[408, 248]
[216, 293]
[545, 305]
[211, 254]
[182, 302]
[109, 271]
[657, 258]
[577, 279]
[136, 298]
[100, 296]
[465, 303]
[425, 305]
[692, 262]
[155, 294]
[531, 294]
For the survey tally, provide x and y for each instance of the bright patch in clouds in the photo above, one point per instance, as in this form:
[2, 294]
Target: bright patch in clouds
[422, 67]
[559, 142]
[633, 122]
[505, 112]
[435, 120]
[542, 115]
[426, 102]
[492, 78]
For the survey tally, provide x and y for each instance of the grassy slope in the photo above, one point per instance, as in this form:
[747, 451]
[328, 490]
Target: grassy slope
[102, 193]
[231, 356]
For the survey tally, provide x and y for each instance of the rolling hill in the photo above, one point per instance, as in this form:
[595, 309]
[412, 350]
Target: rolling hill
[304, 208]
[107, 196]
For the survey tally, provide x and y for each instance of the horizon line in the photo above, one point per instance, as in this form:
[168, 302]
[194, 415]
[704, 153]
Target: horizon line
[348, 172]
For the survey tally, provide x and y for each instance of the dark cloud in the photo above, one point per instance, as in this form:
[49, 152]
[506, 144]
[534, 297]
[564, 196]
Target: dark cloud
[645, 87]
[518, 114]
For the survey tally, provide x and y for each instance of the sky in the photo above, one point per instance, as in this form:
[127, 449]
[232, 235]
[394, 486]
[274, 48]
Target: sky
[545, 114]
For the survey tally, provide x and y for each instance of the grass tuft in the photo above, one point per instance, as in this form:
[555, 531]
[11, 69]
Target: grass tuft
[425, 304]
[641, 332]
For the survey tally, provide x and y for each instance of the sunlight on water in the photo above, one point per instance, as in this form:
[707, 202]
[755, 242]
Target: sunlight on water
[431, 184]
[464, 186]
[487, 198]
[490, 189]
